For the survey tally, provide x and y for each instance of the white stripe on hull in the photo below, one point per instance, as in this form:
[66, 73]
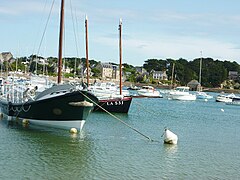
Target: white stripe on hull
[78, 124]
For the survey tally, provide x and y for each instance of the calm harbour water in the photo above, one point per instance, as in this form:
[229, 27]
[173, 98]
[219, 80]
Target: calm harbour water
[208, 146]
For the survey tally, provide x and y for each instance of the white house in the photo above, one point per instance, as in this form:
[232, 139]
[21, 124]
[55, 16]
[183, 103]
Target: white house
[160, 75]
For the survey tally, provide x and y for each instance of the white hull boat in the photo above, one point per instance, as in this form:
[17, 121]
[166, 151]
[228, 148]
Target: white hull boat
[149, 91]
[235, 101]
[225, 98]
[203, 95]
[182, 93]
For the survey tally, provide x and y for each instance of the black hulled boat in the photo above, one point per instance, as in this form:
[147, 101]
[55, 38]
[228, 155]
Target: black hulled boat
[116, 105]
[119, 103]
[61, 106]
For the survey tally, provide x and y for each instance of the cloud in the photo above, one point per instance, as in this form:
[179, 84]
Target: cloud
[17, 8]
[182, 47]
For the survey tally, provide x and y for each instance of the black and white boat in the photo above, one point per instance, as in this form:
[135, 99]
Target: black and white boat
[63, 106]
[235, 101]
[225, 97]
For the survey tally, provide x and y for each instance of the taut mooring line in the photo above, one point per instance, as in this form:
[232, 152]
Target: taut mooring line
[147, 137]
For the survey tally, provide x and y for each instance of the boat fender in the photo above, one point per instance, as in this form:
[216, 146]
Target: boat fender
[81, 103]
[73, 131]
[25, 123]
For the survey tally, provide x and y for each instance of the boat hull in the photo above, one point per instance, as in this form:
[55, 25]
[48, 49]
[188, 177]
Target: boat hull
[184, 97]
[234, 102]
[153, 94]
[203, 95]
[116, 105]
[66, 110]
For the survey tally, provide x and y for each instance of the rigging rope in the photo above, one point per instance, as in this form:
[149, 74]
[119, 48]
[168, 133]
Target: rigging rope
[45, 27]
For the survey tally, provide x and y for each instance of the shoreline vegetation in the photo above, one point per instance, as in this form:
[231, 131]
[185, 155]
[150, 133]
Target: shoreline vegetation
[128, 84]
[214, 75]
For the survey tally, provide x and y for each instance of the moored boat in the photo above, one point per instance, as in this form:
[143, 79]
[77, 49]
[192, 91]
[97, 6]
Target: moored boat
[235, 101]
[116, 105]
[182, 93]
[111, 98]
[60, 106]
[203, 95]
[131, 87]
[149, 91]
[225, 98]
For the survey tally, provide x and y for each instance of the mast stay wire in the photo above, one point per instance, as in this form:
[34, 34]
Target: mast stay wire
[38, 32]
[45, 28]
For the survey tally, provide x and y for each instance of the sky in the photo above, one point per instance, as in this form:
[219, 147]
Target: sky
[151, 29]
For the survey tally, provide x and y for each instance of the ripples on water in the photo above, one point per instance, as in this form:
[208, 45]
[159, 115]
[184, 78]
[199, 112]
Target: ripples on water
[208, 145]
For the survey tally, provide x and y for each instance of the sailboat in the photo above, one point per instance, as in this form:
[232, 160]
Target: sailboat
[62, 106]
[180, 92]
[200, 94]
[118, 103]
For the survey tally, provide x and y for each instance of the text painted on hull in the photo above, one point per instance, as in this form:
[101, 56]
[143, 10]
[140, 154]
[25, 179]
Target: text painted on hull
[116, 103]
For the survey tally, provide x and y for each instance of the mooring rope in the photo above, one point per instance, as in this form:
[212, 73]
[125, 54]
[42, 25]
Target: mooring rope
[136, 130]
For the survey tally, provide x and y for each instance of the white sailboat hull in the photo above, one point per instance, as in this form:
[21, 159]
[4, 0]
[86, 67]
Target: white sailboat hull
[78, 124]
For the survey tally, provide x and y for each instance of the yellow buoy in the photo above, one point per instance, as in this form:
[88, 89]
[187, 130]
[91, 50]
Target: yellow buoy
[25, 123]
[73, 130]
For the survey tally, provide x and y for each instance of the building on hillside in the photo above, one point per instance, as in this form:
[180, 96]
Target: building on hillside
[6, 56]
[108, 71]
[194, 85]
[160, 75]
[41, 60]
[140, 70]
[233, 75]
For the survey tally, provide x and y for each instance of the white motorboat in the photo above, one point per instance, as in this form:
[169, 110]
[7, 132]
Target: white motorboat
[203, 95]
[235, 101]
[149, 91]
[182, 93]
[170, 137]
[225, 98]
[107, 90]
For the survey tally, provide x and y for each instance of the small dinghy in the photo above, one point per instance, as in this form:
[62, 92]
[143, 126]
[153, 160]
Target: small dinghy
[170, 137]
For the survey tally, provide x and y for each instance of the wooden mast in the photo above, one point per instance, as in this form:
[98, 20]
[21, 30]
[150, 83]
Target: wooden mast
[120, 55]
[200, 73]
[172, 75]
[60, 42]
[87, 61]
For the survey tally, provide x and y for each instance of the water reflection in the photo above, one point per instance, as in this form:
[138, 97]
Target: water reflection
[47, 152]
[170, 149]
